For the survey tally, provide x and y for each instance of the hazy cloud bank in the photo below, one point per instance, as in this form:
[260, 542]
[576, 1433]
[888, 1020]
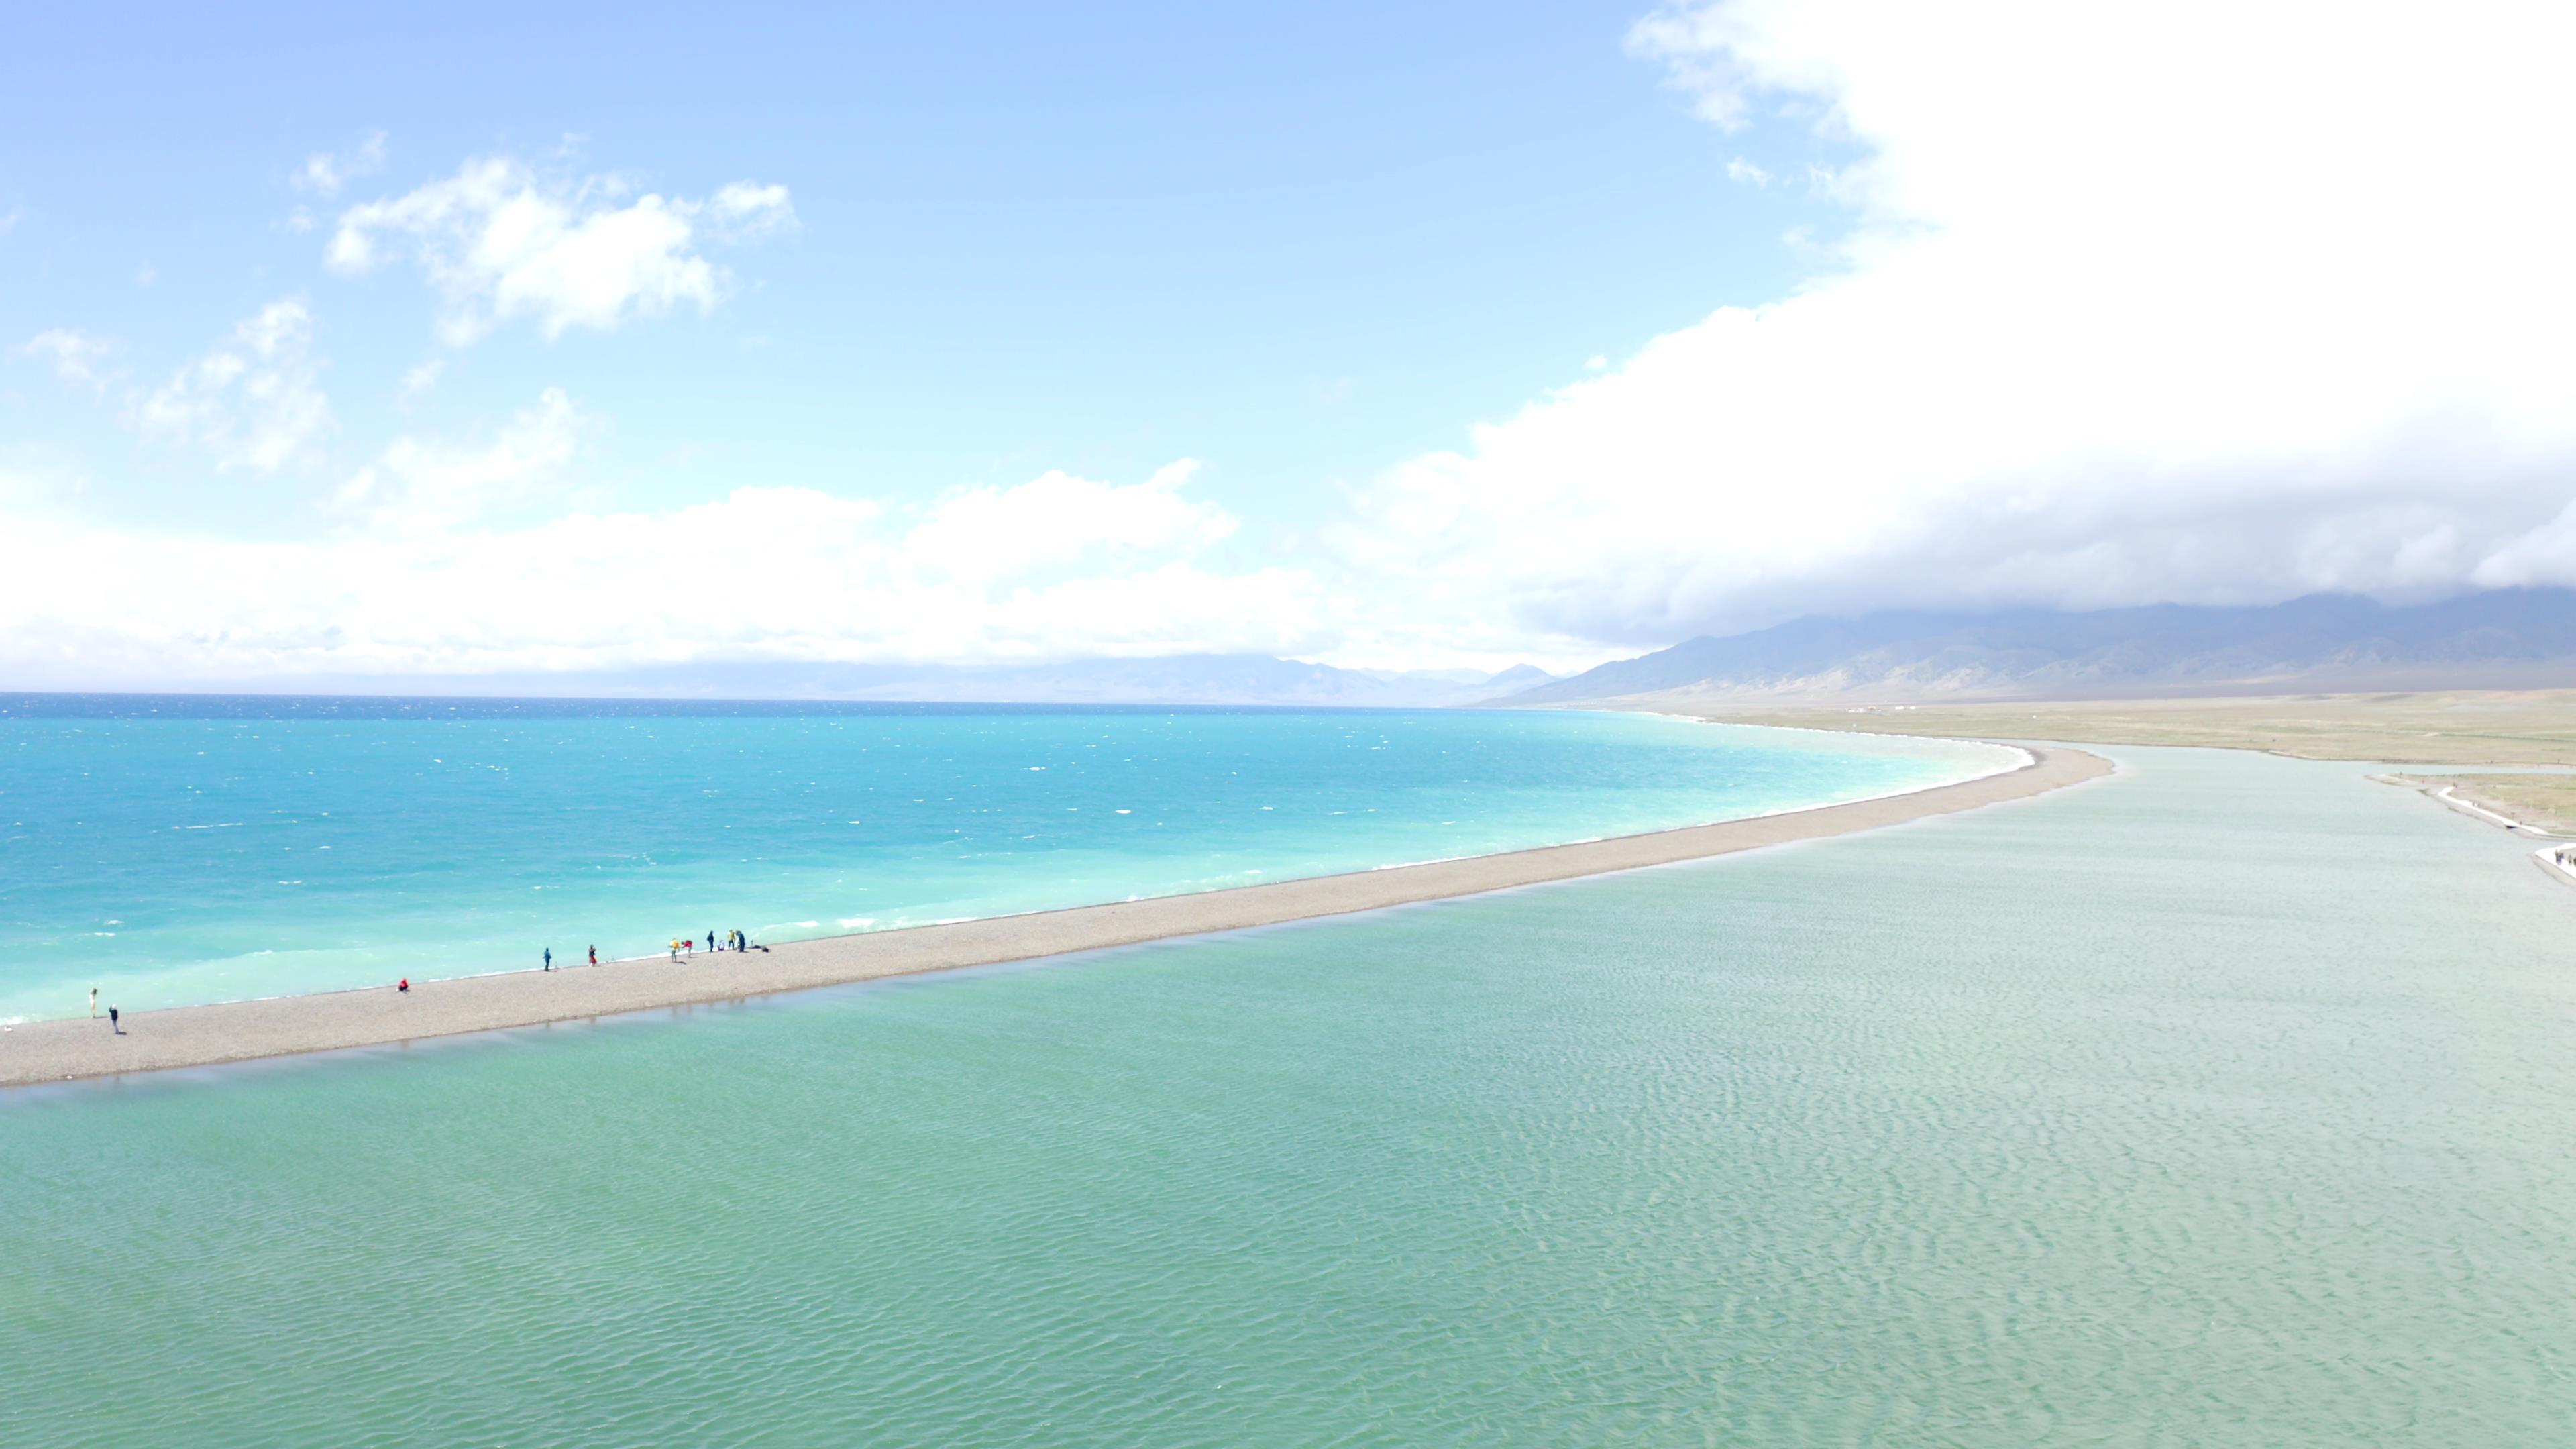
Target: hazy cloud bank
[1058, 566]
[2218, 303]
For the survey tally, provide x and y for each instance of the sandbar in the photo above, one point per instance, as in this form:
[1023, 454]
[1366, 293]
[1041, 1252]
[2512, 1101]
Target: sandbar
[197, 1036]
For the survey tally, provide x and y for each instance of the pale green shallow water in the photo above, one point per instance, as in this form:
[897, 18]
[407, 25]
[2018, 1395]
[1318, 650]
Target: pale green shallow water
[2228, 1103]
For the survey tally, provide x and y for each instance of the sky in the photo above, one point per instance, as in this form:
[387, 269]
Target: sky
[484, 341]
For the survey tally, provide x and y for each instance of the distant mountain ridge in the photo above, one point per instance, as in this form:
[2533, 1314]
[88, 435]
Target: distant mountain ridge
[1198, 679]
[2504, 638]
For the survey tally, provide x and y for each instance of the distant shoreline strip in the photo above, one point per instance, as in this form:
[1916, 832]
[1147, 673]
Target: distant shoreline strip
[196, 1036]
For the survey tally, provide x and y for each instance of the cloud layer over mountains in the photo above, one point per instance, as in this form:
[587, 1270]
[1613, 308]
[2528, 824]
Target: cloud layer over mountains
[2208, 302]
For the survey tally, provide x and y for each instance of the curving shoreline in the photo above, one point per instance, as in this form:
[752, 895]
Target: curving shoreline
[196, 1036]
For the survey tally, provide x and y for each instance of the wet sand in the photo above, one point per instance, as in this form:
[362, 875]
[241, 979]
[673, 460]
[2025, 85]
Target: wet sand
[191, 1036]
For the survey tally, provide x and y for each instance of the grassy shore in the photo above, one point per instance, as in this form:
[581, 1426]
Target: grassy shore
[2522, 727]
[2545, 802]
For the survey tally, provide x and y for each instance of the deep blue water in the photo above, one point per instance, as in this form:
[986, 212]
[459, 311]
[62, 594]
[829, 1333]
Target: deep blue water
[173, 849]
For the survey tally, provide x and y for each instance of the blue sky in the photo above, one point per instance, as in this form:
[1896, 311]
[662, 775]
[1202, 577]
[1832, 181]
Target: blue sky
[1293, 245]
[334, 341]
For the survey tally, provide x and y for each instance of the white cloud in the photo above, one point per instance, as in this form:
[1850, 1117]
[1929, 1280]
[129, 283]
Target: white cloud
[500, 242]
[254, 402]
[984, 534]
[2247, 302]
[76, 357]
[1741, 170]
[745, 211]
[1080, 568]
[324, 173]
[424, 486]
[418, 382]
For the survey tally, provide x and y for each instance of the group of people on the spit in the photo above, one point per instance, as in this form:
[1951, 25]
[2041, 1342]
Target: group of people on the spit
[733, 941]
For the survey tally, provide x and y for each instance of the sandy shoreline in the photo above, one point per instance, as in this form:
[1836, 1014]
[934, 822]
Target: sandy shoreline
[191, 1036]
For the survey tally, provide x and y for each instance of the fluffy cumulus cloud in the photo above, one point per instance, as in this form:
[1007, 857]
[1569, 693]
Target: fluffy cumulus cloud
[1057, 520]
[425, 485]
[418, 382]
[500, 242]
[1077, 567]
[254, 402]
[2224, 302]
[76, 357]
[325, 172]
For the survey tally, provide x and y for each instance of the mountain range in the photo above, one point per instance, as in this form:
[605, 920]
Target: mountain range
[1204, 679]
[2500, 639]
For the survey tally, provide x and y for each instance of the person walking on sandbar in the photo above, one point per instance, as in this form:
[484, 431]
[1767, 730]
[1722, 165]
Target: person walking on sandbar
[594, 955]
[111, 1020]
[93, 1003]
[550, 958]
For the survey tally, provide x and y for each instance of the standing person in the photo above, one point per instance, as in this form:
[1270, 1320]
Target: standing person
[93, 1003]
[550, 958]
[111, 1020]
[711, 940]
[594, 955]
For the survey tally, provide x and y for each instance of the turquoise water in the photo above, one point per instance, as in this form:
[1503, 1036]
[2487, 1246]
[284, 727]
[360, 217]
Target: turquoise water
[174, 850]
[2228, 1102]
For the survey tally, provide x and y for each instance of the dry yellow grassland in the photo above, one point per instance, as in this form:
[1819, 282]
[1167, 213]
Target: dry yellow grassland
[2547, 802]
[2520, 727]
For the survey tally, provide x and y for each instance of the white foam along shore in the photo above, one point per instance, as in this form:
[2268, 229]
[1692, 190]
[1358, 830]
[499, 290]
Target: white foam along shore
[189, 1036]
[2557, 859]
[2435, 789]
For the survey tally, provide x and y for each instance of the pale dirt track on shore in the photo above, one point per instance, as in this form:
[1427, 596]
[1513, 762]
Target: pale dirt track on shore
[190, 1036]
